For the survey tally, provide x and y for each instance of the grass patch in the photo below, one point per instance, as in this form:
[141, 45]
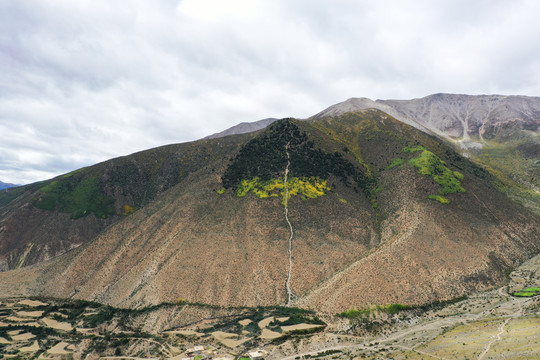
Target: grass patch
[431, 165]
[395, 163]
[77, 196]
[413, 149]
[528, 292]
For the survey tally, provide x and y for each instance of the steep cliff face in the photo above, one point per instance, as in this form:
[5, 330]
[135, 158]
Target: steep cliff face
[330, 213]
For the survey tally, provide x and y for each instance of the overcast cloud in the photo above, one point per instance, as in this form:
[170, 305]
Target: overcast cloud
[85, 81]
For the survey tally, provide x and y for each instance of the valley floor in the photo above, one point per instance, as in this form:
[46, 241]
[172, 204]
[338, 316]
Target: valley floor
[487, 325]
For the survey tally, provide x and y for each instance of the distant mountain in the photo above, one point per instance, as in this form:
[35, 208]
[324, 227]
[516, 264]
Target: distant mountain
[463, 118]
[331, 213]
[243, 128]
[4, 185]
[501, 133]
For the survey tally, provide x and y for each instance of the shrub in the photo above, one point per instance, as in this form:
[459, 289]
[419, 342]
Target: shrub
[439, 198]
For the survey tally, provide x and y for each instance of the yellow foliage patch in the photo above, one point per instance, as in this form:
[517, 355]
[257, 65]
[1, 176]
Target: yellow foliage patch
[308, 187]
[126, 210]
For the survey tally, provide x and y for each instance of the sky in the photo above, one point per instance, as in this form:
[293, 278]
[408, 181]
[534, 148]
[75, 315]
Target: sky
[88, 80]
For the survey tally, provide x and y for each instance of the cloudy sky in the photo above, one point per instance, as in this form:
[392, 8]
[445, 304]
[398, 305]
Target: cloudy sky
[82, 81]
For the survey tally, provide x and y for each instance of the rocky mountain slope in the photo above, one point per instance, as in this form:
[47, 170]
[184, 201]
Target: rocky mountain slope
[331, 213]
[465, 118]
[43, 220]
[501, 133]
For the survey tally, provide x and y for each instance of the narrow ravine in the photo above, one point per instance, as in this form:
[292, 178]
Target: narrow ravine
[290, 295]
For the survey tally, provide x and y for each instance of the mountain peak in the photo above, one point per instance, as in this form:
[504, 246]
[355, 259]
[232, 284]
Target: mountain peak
[455, 117]
[243, 128]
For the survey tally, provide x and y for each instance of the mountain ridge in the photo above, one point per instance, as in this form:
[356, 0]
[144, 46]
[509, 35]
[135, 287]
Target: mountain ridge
[502, 132]
[228, 246]
[243, 128]
[420, 112]
[4, 185]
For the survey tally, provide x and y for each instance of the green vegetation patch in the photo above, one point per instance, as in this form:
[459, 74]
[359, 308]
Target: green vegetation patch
[367, 311]
[459, 175]
[395, 163]
[79, 196]
[431, 165]
[528, 292]
[413, 149]
[440, 199]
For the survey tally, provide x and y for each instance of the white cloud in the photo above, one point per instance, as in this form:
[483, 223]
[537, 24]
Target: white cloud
[85, 81]
[217, 9]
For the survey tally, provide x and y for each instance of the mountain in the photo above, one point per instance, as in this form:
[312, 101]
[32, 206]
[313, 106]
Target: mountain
[243, 128]
[501, 133]
[4, 185]
[46, 219]
[330, 213]
[463, 118]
